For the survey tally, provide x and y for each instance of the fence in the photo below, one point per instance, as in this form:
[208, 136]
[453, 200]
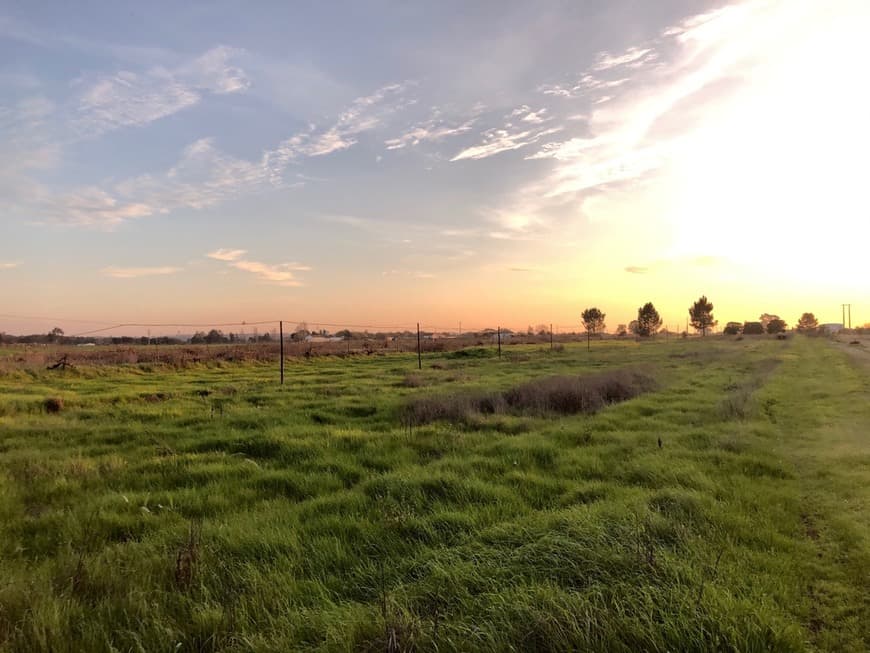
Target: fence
[266, 340]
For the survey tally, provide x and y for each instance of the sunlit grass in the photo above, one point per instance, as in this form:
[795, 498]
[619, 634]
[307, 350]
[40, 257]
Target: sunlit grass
[209, 508]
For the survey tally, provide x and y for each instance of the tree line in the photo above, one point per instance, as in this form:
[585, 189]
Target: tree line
[649, 322]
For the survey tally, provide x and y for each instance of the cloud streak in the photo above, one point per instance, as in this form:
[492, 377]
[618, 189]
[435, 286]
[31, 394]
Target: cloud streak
[135, 273]
[364, 114]
[281, 274]
[135, 99]
[496, 141]
[432, 130]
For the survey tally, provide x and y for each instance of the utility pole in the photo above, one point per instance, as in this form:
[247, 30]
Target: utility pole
[849, 307]
[551, 336]
[419, 356]
[498, 331]
[281, 338]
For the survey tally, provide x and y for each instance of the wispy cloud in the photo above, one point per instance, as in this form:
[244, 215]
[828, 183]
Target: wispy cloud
[414, 274]
[497, 140]
[227, 254]
[128, 99]
[633, 57]
[9, 265]
[525, 114]
[364, 114]
[204, 175]
[434, 129]
[642, 98]
[133, 99]
[281, 274]
[133, 273]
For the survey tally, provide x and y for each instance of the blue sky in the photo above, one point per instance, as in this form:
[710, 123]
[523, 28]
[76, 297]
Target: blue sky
[388, 162]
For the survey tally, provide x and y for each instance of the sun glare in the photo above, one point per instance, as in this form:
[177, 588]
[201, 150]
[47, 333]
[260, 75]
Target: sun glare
[771, 179]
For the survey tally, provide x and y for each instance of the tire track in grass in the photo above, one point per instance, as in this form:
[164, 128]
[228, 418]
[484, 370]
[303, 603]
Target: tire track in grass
[822, 404]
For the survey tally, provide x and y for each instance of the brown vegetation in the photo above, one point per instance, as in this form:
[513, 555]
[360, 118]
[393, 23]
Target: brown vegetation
[562, 395]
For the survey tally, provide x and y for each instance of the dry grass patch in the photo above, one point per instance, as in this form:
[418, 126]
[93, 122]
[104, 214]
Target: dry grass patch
[555, 395]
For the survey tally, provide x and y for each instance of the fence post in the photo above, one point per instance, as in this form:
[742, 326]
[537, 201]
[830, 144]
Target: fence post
[588, 346]
[281, 339]
[498, 330]
[551, 337]
[419, 357]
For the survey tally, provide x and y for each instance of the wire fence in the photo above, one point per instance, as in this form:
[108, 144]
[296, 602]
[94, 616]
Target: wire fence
[183, 343]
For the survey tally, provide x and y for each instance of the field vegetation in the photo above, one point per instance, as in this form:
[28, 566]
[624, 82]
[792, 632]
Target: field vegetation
[690, 495]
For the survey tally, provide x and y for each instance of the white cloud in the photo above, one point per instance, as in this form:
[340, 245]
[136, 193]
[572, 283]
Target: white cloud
[9, 266]
[525, 114]
[227, 254]
[133, 273]
[632, 57]
[129, 99]
[496, 141]
[431, 130]
[134, 99]
[91, 206]
[281, 274]
[203, 176]
[364, 114]
[213, 71]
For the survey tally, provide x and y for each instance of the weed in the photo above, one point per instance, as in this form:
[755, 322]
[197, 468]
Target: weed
[187, 557]
[53, 404]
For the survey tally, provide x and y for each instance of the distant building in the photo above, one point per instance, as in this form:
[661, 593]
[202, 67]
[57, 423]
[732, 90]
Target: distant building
[832, 327]
[323, 338]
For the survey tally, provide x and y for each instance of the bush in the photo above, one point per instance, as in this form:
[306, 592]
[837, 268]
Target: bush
[561, 395]
[53, 404]
[753, 328]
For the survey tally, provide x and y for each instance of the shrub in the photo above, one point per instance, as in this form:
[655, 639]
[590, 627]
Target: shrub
[53, 404]
[753, 328]
[562, 395]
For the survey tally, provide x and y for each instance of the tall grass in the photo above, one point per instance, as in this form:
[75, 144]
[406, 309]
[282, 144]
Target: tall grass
[309, 518]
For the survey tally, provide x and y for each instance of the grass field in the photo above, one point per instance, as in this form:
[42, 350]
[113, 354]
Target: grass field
[208, 508]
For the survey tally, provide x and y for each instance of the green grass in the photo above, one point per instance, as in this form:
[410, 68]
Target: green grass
[208, 508]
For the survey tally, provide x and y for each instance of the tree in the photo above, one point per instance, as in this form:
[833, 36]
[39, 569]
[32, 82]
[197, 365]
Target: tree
[701, 313]
[632, 327]
[767, 318]
[621, 330]
[808, 323]
[55, 334]
[753, 328]
[648, 320]
[198, 338]
[214, 337]
[593, 320]
[732, 329]
[776, 326]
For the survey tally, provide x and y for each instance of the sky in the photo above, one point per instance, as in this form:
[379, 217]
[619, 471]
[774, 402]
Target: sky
[387, 163]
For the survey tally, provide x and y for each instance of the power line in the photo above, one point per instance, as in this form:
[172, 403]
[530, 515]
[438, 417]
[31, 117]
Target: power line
[107, 326]
[49, 319]
[187, 326]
